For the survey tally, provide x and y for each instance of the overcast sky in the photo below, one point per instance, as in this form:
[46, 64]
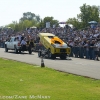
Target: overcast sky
[61, 10]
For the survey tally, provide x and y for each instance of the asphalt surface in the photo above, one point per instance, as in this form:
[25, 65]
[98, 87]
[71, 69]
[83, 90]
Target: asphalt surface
[83, 67]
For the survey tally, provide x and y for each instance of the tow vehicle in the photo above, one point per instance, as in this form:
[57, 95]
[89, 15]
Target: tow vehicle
[14, 44]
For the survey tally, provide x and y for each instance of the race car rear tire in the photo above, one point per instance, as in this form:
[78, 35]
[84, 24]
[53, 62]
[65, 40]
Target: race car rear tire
[51, 56]
[6, 49]
[63, 57]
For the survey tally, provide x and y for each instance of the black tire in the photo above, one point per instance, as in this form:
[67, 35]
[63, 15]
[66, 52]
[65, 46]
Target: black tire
[62, 57]
[51, 56]
[16, 50]
[20, 51]
[39, 53]
[30, 51]
[6, 49]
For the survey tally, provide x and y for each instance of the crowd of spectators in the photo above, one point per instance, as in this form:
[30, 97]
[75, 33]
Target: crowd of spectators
[84, 43]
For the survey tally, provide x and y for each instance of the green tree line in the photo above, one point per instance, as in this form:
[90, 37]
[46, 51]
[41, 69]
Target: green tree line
[88, 13]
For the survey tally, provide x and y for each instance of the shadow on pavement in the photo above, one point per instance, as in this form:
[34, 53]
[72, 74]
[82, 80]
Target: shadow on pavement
[19, 53]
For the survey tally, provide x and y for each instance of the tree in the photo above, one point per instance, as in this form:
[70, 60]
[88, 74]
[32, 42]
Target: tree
[88, 13]
[22, 25]
[75, 22]
[41, 24]
[48, 19]
[30, 16]
[25, 24]
[28, 20]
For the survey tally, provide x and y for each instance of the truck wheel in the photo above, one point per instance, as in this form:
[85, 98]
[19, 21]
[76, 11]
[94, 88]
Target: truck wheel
[62, 57]
[15, 50]
[30, 51]
[39, 53]
[6, 49]
[19, 50]
[51, 56]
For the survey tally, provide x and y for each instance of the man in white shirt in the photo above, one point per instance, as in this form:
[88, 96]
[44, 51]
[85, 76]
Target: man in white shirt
[23, 44]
